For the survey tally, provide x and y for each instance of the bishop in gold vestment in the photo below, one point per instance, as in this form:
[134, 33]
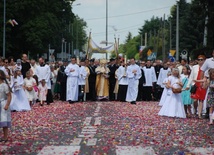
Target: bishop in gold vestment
[102, 82]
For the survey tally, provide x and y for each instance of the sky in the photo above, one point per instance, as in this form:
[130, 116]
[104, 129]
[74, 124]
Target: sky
[123, 16]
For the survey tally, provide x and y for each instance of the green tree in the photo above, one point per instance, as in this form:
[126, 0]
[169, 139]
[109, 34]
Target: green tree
[41, 23]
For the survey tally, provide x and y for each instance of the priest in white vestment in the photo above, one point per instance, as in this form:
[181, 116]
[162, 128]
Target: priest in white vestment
[133, 74]
[72, 72]
[43, 71]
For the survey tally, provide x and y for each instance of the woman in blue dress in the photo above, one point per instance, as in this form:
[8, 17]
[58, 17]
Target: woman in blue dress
[185, 94]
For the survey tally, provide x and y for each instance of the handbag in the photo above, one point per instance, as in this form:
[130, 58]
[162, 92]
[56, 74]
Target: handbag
[178, 90]
[193, 89]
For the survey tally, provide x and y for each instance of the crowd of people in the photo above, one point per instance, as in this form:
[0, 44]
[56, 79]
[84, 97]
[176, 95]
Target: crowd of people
[182, 89]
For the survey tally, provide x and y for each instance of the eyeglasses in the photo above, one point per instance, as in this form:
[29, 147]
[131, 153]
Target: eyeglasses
[200, 59]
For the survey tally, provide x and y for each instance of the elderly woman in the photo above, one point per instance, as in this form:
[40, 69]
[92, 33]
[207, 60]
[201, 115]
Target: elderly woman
[102, 82]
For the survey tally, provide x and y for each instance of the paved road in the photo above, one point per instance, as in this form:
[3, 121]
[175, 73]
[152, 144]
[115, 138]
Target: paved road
[105, 128]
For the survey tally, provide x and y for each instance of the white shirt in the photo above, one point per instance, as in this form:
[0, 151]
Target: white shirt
[4, 70]
[209, 63]
[33, 68]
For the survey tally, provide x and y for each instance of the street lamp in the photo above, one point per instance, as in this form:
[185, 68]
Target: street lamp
[62, 54]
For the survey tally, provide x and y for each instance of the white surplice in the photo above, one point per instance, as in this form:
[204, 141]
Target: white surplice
[122, 80]
[150, 76]
[44, 72]
[133, 81]
[82, 75]
[162, 76]
[72, 82]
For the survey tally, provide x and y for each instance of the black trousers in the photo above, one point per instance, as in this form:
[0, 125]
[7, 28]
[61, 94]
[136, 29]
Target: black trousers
[111, 91]
[81, 93]
[147, 93]
[63, 91]
[157, 92]
[92, 92]
[122, 90]
[140, 92]
[49, 97]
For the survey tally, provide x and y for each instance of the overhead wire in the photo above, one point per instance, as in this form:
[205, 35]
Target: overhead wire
[115, 16]
[120, 30]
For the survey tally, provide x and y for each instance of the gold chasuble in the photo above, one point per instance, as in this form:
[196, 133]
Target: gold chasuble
[102, 82]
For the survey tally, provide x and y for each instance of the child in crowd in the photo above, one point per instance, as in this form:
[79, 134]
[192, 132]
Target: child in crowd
[19, 100]
[185, 94]
[173, 106]
[43, 90]
[29, 83]
[210, 97]
[5, 98]
[36, 89]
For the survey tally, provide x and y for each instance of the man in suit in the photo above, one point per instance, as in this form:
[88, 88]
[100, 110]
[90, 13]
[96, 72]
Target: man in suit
[157, 89]
[142, 81]
[25, 65]
[112, 80]
[61, 79]
[91, 81]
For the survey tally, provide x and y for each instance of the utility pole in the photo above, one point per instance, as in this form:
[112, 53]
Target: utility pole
[118, 41]
[65, 50]
[163, 39]
[145, 39]
[69, 44]
[205, 32]
[170, 34]
[48, 55]
[76, 35]
[177, 33]
[72, 41]
[62, 53]
[106, 22]
[141, 39]
[4, 31]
